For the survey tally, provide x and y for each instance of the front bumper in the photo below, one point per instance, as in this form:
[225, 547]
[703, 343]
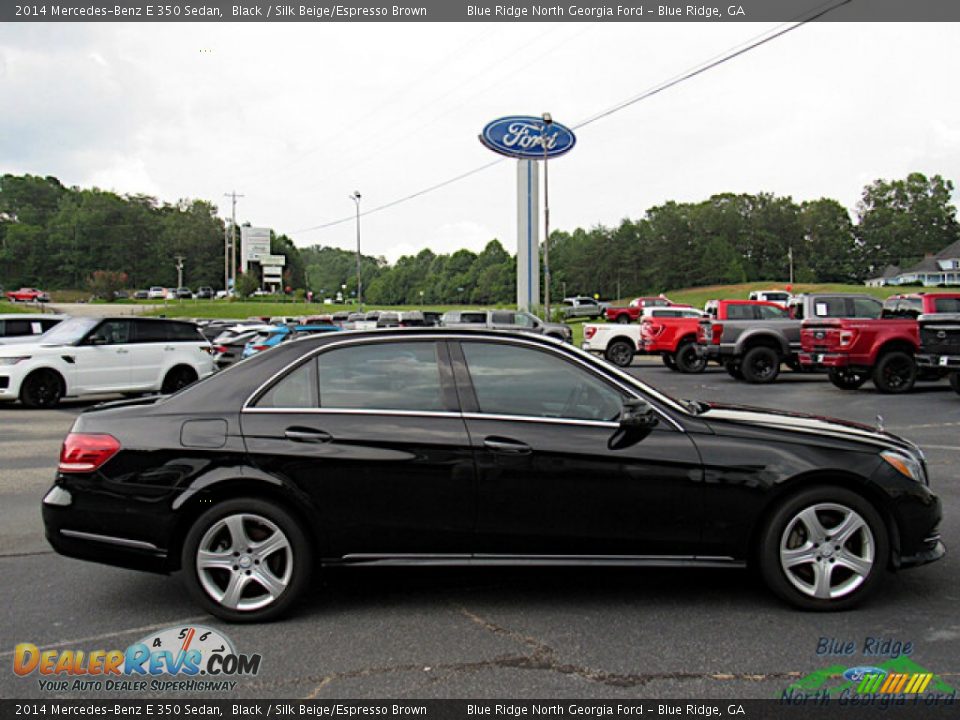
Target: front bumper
[944, 362]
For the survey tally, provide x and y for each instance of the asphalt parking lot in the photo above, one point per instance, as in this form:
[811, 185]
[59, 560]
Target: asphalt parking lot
[500, 633]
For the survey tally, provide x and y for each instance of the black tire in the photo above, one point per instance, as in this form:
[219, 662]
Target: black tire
[669, 361]
[42, 389]
[955, 381]
[177, 378]
[288, 567]
[733, 369]
[623, 319]
[620, 353]
[760, 365]
[846, 379]
[895, 372]
[688, 360]
[794, 575]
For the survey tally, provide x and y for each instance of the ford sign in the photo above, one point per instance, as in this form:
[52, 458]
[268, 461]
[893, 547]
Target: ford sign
[521, 136]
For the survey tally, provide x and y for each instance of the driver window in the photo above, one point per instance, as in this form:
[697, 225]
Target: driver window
[113, 332]
[513, 380]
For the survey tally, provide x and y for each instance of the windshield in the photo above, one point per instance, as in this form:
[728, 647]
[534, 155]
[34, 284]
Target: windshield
[69, 331]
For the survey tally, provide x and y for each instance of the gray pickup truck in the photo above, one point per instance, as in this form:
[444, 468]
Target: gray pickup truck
[582, 307]
[506, 320]
[754, 349]
[940, 345]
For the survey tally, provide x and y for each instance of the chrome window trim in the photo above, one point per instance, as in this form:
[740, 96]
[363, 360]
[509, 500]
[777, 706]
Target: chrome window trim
[624, 381]
[356, 411]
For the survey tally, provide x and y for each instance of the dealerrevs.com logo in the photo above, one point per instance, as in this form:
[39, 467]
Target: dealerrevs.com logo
[197, 657]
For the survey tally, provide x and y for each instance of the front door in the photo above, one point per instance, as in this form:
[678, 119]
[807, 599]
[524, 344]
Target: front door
[556, 475]
[102, 361]
[371, 432]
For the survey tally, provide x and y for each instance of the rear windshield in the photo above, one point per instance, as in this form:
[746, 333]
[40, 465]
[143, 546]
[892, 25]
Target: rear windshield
[946, 305]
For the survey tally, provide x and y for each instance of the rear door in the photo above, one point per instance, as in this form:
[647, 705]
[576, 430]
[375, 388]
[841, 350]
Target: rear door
[371, 431]
[147, 351]
[556, 477]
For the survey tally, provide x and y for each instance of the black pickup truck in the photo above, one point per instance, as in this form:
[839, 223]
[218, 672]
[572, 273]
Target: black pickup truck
[940, 344]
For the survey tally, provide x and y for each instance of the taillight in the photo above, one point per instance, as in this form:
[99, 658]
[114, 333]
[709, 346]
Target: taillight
[258, 348]
[86, 452]
[589, 332]
[847, 337]
[220, 348]
[650, 329]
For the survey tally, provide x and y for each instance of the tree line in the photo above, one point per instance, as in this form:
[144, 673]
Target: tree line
[52, 236]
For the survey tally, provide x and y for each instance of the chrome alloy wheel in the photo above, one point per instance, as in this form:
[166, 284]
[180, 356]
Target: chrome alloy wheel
[827, 551]
[244, 562]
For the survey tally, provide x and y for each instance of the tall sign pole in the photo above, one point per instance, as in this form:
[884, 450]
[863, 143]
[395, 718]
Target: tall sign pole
[233, 237]
[530, 139]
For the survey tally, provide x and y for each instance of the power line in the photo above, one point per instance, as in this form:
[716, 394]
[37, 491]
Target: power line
[778, 32]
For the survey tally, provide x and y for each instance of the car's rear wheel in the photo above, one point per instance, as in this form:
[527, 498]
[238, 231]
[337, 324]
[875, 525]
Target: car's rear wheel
[177, 378]
[825, 548]
[668, 360]
[687, 358]
[620, 353]
[623, 319]
[846, 379]
[733, 370]
[246, 560]
[41, 389]
[895, 372]
[760, 365]
[955, 381]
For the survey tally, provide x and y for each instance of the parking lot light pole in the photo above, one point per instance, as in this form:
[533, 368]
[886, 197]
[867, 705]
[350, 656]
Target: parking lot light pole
[547, 122]
[180, 259]
[356, 200]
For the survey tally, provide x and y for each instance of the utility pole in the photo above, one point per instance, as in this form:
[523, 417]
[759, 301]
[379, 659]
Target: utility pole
[547, 122]
[233, 238]
[226, 260]
[790, 256]
[180, 259]
[356, 199]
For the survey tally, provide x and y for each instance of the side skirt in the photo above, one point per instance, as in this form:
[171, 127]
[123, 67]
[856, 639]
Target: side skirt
[441, 560]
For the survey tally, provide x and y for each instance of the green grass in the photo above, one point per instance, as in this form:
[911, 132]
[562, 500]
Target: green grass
[7, 307]
[245, 309]
[697, 297]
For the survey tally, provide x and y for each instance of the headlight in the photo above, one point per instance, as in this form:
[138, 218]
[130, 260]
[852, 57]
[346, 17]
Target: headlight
[13, 360]
[905, 465]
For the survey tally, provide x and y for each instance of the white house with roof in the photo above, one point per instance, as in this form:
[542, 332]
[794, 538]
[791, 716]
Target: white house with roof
[940, 269]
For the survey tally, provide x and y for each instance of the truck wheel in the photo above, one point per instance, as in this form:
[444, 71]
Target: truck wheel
[688, 360]
[623, 319]
[733, 370]
[955, 381]
[619, 353]
[895, 372]
[669, 361]
[761, 365]
[846, 379]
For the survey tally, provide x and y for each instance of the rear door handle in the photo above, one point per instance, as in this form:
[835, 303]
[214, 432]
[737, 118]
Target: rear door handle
[121, 351]
[306, 435]
[506, 446]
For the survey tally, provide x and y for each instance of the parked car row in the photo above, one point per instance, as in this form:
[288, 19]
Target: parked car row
[851, 337]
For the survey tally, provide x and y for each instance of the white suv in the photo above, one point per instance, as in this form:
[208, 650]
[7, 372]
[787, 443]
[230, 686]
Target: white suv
[89, 356]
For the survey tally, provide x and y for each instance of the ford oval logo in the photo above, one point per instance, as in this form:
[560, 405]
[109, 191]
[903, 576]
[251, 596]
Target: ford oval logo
[856, 674]
[521, 136]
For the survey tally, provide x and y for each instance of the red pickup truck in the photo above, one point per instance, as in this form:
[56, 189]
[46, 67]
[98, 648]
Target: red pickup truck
[671, 333]
[635, 308]
[27, 295]
[854, 350]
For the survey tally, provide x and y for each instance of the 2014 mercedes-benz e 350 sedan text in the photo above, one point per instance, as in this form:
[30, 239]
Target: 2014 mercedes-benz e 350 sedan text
[445, 446]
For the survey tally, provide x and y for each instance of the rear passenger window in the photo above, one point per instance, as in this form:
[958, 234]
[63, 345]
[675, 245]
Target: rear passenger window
[387, 376]
[150, 331]
[297, 390]
[768, 312]
[740, 312]
[183, 332]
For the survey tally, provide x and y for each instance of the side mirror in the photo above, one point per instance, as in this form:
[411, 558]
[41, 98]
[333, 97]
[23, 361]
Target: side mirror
[637, 414]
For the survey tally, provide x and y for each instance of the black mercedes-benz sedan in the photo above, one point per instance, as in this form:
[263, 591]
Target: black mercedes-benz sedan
[429, 446]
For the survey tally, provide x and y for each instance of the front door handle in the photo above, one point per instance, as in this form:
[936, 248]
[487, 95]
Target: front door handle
[306, 435]
[121, 351]
[506, 446]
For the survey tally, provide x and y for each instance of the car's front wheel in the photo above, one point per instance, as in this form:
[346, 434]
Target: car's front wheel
[246, 560]
[825, 548]
[41, 389]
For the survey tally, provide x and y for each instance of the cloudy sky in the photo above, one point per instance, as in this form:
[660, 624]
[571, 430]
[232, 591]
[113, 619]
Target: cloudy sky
[296, 117]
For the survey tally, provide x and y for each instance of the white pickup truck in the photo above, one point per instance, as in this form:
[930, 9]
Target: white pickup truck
[617, 342]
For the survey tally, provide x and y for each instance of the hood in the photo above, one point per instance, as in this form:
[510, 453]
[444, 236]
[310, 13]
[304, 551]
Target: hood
[807, 425]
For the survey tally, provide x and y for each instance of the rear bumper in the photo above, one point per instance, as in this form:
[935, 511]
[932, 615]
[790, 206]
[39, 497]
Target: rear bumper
[944, 362]
[824, 360]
